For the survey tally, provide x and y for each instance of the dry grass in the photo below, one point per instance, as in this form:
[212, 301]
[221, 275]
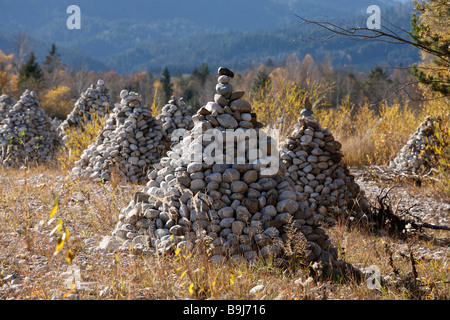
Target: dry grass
[30, 269]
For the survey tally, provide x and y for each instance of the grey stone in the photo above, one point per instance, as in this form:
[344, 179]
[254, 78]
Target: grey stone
[287, 194]
[221, 100]
[227, 222]
[217, 177]
[270, 210]
[287, 205]
[241, 105]
[270, 251]
[243, 214]
[239, 186]
[271, 232]
[306, 138]
[224, 89]
[109, 243]
[231, 175]
[224, 79]
[123, 94]
[237, 227]
[226, 212]
[250, 176]
[222, 71]
[227, 121]
[214, 108]
[194, 167]
[257, 289]
[236, 95]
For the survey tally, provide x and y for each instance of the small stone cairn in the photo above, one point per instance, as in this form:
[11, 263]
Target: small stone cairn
[26, 133]
[6, 103]
[324, 186]
[176, 117]
[95, 100]
[241, 208]
[128, 145]
[417, 156]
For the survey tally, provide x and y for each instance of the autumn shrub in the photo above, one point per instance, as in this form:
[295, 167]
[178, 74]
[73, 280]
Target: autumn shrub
[442, 150]
[278, 104]
[57, 102]
[79, 138]
[395, 125]
[8, 80]
[439, 108]
[368, 136]
[353, 127]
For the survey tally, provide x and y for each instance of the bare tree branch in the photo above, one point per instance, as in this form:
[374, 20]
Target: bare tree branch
[364, 34]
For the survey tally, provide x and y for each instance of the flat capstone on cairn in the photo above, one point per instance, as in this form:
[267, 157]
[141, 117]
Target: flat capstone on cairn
[26, 134]
[326, 190]
[95, 100]
[417, 155]
[176, 117]
[128, 145]
[243, 208]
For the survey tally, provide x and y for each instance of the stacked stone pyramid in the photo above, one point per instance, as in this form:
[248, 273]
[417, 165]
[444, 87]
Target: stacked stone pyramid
[224, 182]
[6, 103]
[26, 133]
[326, 188]
[95, 100]
[176, 117]
[128, 145]
[417, 155]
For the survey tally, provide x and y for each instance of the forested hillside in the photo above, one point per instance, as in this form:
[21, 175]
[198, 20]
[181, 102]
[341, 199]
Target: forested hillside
[146, 36]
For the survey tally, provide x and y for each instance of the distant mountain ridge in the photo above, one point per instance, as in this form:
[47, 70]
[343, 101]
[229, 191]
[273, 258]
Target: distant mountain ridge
[142, 35]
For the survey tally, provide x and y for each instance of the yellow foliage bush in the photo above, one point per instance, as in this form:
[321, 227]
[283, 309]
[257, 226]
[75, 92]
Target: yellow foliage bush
[154, 107]
[57, 102]
[8, 80]
[442, 149]
[439, 107]
[368, 137]
[79, 139]
[279, 106]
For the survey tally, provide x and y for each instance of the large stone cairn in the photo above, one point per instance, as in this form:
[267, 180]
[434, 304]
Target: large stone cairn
[26, 133]
[128, 145]
[6, 103]
[326, 188]
[240, 210]
[95, 100]
[417, 155]
[176, 117]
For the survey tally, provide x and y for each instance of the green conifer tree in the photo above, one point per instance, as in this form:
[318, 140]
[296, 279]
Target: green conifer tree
[30, 74]
[166, 83]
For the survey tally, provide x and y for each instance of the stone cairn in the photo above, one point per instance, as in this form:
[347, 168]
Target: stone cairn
[128, 145]
[26, 133]
[417, 156]
[324, 186]
[176, 117]
[95, 100]
[240, 209]
[6, 103]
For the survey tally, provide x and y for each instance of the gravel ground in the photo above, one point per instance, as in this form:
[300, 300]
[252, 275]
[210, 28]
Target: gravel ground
[424, 205]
